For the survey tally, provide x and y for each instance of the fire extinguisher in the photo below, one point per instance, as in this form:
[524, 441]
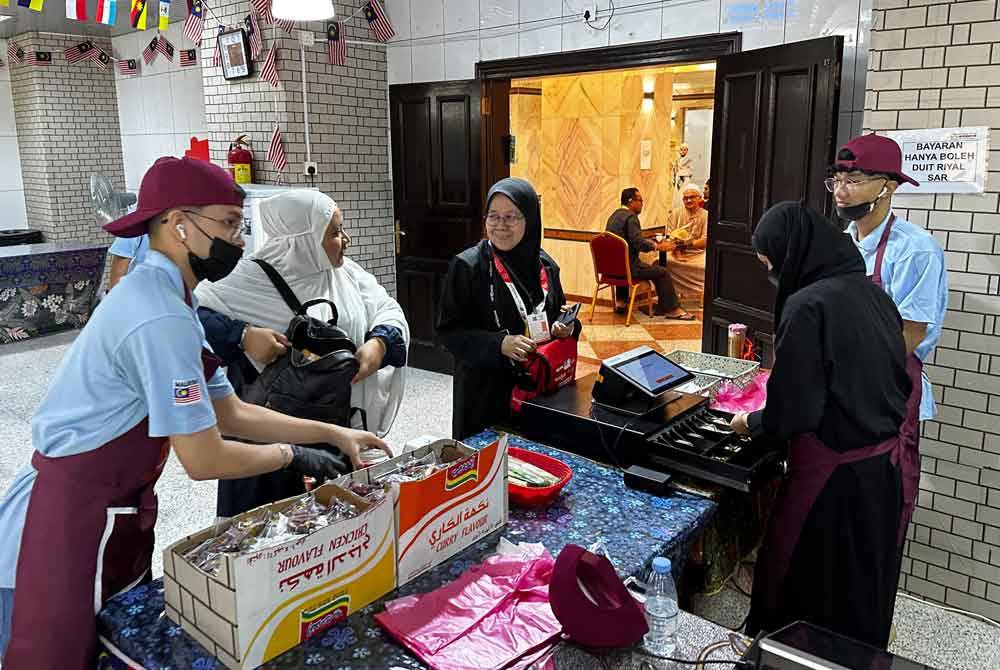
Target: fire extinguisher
[241, 160]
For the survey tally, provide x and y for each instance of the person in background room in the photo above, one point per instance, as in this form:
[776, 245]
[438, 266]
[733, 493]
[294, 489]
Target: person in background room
[683, 168]
[77, 523]
[687, 260]
[484, 320]
[126, 253]
[307, 245]
[706, 194]
[624, 223]
[838, 391]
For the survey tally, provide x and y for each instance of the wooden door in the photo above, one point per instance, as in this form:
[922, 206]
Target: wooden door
[437, 195]
[774, 136]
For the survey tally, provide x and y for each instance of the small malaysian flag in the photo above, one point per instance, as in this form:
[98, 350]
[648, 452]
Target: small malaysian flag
[378, 21]
[149, 53]
[285, 24]
[195, 22]
[102, 59]
[189, 57]
[187, 392]
[336, 43]
[128, 67]
[82, 51]
[269, 71]
[263, 9]
[217, 54]
[15, 54]
[164, 46]
[253, 32]
[276, 152]
[39, 58]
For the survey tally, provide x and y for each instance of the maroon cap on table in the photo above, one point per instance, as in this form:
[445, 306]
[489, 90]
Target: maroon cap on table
[177, 182]
[590, 601]
[875, 153]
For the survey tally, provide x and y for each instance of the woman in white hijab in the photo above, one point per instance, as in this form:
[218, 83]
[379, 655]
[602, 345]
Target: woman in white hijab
[306, 244]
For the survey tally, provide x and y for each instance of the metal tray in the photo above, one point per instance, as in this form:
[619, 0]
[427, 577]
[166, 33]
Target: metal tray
[736, 370]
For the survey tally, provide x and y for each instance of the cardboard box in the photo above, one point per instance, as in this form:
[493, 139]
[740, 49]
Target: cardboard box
[448, 511]
[264, 603]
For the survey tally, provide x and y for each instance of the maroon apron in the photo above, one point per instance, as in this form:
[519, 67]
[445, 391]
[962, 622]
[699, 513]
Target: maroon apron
[909, 432]
[87, 537]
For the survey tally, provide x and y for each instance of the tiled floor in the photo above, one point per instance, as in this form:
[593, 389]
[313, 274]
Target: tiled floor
[927, 634]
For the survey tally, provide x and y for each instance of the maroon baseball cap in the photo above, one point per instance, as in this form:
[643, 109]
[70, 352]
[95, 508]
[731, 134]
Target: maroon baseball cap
[177, 182]
[874, 153]
[591, 602]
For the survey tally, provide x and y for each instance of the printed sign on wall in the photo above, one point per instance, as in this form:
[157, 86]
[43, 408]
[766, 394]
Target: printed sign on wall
[944, 160]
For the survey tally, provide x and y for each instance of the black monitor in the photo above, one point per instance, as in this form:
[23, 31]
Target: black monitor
[803, 646]
[638, 376]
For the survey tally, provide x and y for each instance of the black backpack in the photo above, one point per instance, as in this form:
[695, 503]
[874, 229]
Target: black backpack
[312, 380]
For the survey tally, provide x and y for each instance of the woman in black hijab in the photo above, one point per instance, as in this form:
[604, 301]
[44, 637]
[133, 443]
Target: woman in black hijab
[838, 393]
[484, 319]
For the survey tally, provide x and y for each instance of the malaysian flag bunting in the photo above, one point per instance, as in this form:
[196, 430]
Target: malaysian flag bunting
[164, 46]
[102, 59]
[269, 71]
[15, 54]
[263, 9]
[39, 58]
[137, 17]
[378, 21]
[82, 51]
[336, 43]
[276, 152]
[164, 16]
[76, 10]
[149, 53]
[107, 12]
[217, 56]
[189, 57]
[284, 24]
[195, 22]
[33, 5]
[128, 67]
[253, 32]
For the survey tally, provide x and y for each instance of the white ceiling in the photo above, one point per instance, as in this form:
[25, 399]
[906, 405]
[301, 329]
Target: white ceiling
[53, 19]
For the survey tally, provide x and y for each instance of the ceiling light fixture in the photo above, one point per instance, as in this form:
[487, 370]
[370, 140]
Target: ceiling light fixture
[303, 10]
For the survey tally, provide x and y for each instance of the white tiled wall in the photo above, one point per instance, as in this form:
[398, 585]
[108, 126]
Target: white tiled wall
[12, 212]
[161, 108]
[439, 40]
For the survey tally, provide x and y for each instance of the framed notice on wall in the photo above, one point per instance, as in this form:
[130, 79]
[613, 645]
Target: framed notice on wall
[235, 50]
[944, 160]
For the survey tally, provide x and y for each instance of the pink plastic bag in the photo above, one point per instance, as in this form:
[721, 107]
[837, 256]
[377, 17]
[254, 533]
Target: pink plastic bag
[492, 615]
[731, 398]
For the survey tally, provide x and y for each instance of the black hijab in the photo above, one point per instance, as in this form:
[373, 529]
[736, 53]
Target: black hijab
[804, 247]
[523, 261]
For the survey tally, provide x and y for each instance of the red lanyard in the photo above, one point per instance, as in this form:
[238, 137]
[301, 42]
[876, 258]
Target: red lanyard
[543, 279]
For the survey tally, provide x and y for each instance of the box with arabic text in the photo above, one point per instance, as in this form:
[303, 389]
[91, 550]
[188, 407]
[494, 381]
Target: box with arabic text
[262, 603]
[449, 510]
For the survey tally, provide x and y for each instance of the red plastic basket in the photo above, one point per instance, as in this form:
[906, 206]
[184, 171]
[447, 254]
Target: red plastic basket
[537, 496]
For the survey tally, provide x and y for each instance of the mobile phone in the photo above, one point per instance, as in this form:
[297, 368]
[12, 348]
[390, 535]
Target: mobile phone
[569, 315]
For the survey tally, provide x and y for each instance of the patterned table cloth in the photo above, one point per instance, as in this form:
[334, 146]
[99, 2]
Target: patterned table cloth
[45, 288]
[635, 528]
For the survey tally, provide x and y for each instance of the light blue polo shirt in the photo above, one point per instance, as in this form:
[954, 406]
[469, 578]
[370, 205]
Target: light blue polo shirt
[134, 248]
[139, 356]
[914, 276]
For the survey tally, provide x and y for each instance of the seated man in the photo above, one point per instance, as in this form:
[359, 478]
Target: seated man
[625, 224]
[688, 228]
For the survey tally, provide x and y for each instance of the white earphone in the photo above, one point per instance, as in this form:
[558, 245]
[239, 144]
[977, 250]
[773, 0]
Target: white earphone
[180, 231]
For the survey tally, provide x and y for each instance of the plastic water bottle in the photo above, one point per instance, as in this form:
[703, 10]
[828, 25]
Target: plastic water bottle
[661, 610]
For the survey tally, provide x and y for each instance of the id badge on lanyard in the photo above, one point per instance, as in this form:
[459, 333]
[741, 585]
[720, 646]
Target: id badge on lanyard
[536, 324]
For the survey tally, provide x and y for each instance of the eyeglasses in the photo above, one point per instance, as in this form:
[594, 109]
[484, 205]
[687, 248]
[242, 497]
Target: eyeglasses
[233, 224]
[850, 183]
[509, 220]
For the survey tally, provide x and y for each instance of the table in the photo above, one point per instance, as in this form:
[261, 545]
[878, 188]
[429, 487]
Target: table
[45, 288]
[634, 526]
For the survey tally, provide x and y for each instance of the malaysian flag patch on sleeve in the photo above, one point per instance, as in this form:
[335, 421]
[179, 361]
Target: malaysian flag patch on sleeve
[187, 391]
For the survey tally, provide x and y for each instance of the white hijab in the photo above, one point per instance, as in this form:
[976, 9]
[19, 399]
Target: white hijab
[295, 223]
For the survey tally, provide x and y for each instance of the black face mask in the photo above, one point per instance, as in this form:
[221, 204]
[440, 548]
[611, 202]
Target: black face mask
[859, 211]
[222, 259]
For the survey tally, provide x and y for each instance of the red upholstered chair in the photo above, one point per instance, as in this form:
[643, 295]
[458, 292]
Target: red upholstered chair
[611, 269]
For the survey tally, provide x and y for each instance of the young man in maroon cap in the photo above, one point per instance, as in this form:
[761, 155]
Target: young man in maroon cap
[902, 258]
[77, 523]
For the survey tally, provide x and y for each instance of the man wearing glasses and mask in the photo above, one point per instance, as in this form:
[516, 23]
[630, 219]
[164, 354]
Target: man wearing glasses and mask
[902, 258]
